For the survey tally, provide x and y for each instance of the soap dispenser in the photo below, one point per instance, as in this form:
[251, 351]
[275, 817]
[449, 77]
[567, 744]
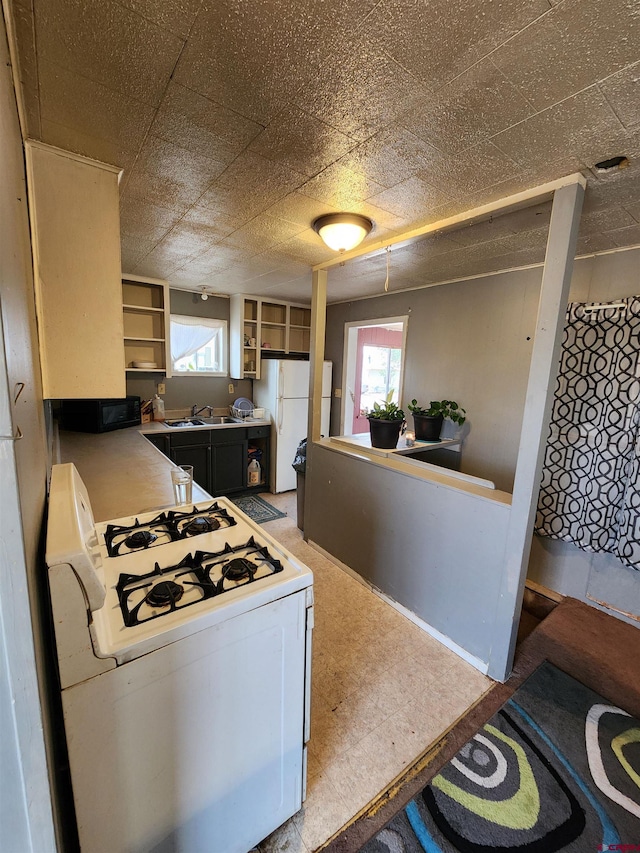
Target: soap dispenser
[158, 408]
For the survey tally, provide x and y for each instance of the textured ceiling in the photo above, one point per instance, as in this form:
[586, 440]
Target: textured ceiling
[238, 122]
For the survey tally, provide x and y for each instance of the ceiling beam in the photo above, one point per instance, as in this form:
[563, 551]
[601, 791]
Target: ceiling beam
[526, 198]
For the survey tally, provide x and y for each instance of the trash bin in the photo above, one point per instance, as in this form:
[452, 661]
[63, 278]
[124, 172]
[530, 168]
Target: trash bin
[299, 465]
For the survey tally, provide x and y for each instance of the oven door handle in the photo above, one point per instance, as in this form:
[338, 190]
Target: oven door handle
[309, 623]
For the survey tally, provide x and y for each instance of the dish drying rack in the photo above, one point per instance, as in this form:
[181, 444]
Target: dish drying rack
[257, 413]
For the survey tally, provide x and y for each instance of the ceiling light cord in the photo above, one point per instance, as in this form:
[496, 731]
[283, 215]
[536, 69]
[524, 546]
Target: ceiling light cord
[386, 281]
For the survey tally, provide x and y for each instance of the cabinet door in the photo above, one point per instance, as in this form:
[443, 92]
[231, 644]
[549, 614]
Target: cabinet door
[200, 458]
[229, 467]
[75, 224]
[161, 441]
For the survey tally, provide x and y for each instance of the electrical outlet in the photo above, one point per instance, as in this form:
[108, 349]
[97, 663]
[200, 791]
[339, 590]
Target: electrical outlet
[231, 387]
[162, 389]
[337, 392]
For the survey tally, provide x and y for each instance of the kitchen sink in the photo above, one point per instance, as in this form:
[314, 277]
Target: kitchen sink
[186, 422]
[216, 420]
[220, 419]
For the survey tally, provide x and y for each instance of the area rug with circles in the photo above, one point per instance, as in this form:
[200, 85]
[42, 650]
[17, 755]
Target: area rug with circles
[557, 768]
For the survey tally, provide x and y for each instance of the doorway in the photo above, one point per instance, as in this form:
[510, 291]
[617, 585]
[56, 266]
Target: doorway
[374, 368]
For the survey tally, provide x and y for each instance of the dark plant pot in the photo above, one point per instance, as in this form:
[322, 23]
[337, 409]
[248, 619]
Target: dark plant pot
[384, 434]
[428, 427]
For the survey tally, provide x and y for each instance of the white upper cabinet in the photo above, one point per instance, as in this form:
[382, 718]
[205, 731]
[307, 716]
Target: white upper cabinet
[75, 226]
[145, 307]
[281, 328]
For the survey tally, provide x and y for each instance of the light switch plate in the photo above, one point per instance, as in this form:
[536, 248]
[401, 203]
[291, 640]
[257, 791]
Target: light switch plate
[162, 389]
[337, 392]
[231, 387]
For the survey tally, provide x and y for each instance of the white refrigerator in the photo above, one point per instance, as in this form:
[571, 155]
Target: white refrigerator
[283, 389]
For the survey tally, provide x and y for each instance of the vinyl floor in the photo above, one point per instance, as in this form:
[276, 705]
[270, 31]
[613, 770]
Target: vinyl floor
[383, 691]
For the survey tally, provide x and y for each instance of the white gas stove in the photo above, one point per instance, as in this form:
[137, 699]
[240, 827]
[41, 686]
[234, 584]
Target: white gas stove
[161, 618]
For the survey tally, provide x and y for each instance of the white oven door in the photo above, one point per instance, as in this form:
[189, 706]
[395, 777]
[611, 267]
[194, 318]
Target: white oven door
[196, 747]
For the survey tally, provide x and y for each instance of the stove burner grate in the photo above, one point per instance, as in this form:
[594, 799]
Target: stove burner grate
[201, 524]
[207, 572]
[140, 539]
[166, 527]
[164, 594]
[239, 569]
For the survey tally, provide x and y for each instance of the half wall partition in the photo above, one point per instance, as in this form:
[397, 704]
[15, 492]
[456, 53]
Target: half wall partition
[451, 555]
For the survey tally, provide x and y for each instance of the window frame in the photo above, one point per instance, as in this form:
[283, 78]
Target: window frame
[222, 345]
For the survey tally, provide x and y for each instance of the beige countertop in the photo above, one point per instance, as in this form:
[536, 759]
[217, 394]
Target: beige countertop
[123, 472]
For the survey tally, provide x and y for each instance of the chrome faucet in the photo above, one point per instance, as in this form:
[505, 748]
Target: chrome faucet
[196, 411]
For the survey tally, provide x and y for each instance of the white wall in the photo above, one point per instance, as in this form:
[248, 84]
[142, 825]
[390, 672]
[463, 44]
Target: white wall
[26, 822]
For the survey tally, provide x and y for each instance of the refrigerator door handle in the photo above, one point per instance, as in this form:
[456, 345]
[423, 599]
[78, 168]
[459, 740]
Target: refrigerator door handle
[280, 396]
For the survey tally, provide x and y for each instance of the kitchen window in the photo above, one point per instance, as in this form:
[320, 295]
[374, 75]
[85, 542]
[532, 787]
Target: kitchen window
[198, 346]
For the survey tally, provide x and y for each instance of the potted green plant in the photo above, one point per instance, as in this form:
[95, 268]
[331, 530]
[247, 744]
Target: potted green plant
[428, 421]
[385, 423]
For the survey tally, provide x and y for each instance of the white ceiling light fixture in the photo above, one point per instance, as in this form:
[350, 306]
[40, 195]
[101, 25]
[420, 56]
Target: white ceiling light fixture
[204, 295]
[342, 231]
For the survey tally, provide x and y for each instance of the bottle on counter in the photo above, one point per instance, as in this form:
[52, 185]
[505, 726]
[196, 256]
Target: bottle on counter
[254, 473]
[158, 408]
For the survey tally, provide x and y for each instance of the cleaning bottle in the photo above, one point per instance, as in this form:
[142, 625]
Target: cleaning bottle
[253, 473]
[158, 408]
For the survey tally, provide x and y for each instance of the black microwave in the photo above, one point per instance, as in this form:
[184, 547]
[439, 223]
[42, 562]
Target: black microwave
[100, 415]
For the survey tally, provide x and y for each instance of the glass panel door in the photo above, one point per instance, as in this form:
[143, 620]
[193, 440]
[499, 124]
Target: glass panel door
[378, 371]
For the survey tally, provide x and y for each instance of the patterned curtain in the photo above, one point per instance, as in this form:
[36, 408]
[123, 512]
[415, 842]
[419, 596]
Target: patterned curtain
[590, 491]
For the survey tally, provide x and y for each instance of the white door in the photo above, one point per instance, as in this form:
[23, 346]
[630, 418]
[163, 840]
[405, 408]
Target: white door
[360, 391]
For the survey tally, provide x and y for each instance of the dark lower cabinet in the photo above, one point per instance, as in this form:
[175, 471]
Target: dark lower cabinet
[200, 458]
[219, 456]
[193, 448]
[160, 440]
[229, 467]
